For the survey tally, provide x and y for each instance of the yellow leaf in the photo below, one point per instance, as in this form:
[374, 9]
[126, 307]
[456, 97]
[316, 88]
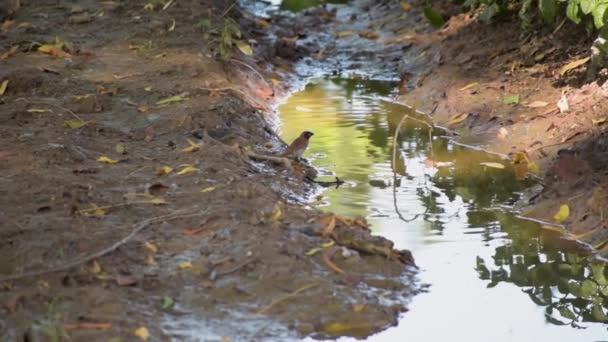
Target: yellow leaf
[10, 52]
[193, 146]
[263, 23]
[274, 81]
[184, 265]
[532, 167]
[106, 160]
[171, 99]
[95, 268]
[39, 110]
[149, 6]
[3, 87]
[186, 170]
[572, 65]
[244, 47]
[142, 333]
[164, 170]
[369, 34]
[209, 189]
[276, 214]
[493, 165]
[328, 244]
[150, 247]
[359, 307]
[342, 34]
[469, 86]
[158, 201]
[313, 251]
[405, 5]
[458, 118]
[148, 89]
[53, 51]
[563, 213]
[150, 260]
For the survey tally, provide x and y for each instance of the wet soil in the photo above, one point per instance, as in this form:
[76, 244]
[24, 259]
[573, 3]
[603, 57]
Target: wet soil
[101, 240]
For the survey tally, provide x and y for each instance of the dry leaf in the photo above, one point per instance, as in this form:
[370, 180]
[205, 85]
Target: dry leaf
[187, 170]
[562, 214]
[209, 189]
[369, 34]
[405, 5]
[53, 51]
[13, 50]
[536, 104]
[94, 210]
[469, 86]
[184, 265]
[458, 118]
[39, 110]
[493, 165]
[172, 27]
[193, 146]
[3, 87]
[150, 247]
[125, 280]
[171, 99]
[95, 267]
[359, 307]
[74, 123]
[150, 260]
[276, 213]
[342, 34]
[399, 39]
[142, 333]
[572, 65]
[244, 47]
[164, 170]
[158, 201]
[106, 160]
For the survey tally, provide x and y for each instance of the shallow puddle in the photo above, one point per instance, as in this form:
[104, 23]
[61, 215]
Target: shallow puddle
[492, 276]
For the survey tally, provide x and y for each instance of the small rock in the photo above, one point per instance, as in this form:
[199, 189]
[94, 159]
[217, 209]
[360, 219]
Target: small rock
[80, 18]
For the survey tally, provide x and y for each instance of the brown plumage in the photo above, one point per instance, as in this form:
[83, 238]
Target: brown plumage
[298, 146]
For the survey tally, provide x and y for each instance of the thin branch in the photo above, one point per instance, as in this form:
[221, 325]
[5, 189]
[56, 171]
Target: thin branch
[82, 260]
[286, 297]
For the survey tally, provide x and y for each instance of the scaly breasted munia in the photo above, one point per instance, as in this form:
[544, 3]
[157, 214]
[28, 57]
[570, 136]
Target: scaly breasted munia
[298, 146]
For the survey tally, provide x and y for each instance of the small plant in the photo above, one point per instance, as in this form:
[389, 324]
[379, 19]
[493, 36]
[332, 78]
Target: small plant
[226, 36]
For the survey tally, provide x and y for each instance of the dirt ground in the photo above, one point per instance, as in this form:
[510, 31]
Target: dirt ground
[132, 203]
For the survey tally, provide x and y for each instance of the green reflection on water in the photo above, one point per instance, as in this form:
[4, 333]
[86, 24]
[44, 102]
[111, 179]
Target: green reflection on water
[300, 5]
[354, 124]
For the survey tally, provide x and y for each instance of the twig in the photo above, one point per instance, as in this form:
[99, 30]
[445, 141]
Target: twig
[214, 274]
[228, 9]
[79, 261]
[286, 297]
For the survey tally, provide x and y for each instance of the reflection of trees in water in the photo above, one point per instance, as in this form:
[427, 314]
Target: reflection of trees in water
[570, 287]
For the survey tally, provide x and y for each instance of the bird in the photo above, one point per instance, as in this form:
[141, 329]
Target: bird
[298, 146]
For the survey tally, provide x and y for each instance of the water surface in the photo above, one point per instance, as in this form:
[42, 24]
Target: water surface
[493, 276]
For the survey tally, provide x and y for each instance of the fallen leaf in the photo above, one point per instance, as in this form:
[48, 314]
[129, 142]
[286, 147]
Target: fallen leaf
[187, 170]
[343, 34]
[367, 34]
[314, 251]
[469, 86]
[171, 99]
[150, 260]
[330, 225]
[167, 302]
[120, 148]
[562, 214]
[74, 124]
[53, 51]
[275, 82]
[39, 110]
[359, 307]
[3, 87]
[142, 333]
[572, 65]
[148, 89]
[458, 118]
[276, 213]
[493, 165]
[184, 265]
[244, 47]
[209, 189]
[95, 267]
[94, 210]
[327, 254]
[158, 201]
[405, 5]
[13, 50]
[193, 146]
[536, 104]
[150, 247]
[511, 99]
[562, 104]
[599, 121]
[192, 231]
[399, 39]
[164, 170]
[106, 160]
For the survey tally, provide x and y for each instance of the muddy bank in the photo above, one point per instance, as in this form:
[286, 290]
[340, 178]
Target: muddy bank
[131, 203]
